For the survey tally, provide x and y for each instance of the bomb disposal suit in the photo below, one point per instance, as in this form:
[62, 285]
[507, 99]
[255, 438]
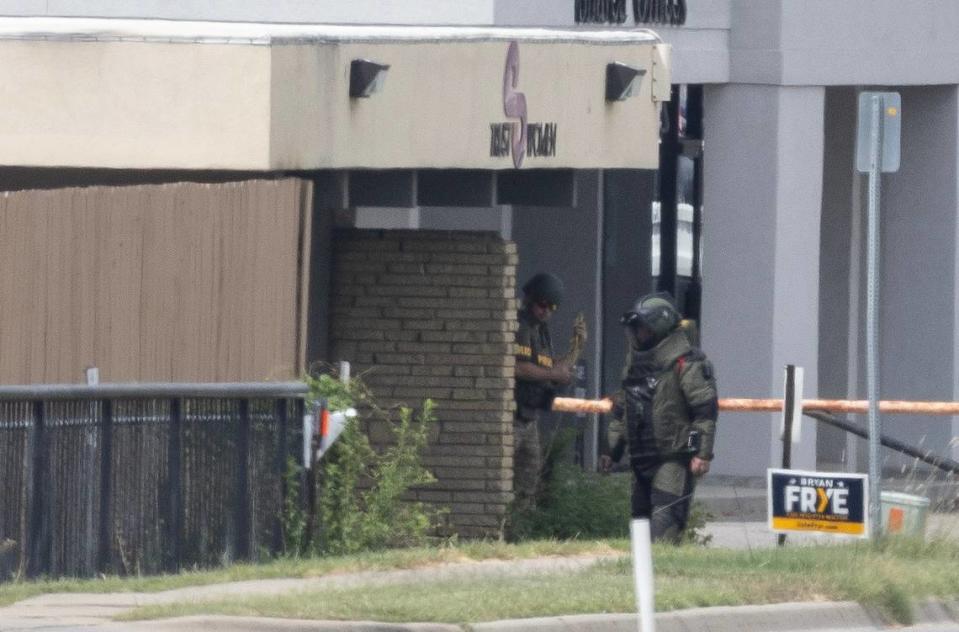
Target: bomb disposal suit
[668, 405]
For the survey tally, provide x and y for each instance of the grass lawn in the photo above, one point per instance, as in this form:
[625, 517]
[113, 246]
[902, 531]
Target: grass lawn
[889, 577]
[11, 592]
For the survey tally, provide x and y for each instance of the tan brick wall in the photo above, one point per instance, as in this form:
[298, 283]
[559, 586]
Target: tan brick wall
[433, 314]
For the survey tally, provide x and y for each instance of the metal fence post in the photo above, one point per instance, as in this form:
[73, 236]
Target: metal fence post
[38, 549]
[174, 508]
[241, 507]
[80, 537]
[282, 449]
[309, 482]
[106, 486]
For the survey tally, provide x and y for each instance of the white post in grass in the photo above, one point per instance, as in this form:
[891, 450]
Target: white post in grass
[643, 574]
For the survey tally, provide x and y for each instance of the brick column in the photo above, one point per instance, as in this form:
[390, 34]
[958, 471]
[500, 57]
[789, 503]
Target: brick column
[433, 315]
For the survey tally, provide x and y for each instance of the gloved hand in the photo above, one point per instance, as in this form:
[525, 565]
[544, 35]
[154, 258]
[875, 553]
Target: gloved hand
[579, 328]
[698, 466]
[634, 397]
[561, 373]
[605, 463]
[618, 450]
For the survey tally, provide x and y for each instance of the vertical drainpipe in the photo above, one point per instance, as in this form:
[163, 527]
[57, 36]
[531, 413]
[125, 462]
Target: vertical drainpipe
[669, 150]
[694, 131]
[591, 448]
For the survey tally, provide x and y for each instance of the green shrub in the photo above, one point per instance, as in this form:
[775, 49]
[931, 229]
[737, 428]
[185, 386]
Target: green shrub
[579, 504]
[293, 517]
[360, 492]
[575, 503]
[390, 521]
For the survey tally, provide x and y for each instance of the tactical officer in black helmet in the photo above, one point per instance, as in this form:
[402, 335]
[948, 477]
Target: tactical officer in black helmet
[669, 407]
[538, 374]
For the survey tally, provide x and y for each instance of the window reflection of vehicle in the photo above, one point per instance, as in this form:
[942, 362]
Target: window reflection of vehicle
[685, 185]
[684, 239]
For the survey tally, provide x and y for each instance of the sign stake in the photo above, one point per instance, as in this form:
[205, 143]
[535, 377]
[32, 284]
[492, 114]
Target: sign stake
[877, 150]
[643, 574]
[791, 419]
[872, 314]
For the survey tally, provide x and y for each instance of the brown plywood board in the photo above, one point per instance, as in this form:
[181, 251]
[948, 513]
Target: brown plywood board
[180, 282]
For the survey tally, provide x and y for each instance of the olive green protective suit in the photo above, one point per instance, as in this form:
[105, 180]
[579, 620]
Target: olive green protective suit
[667, 411]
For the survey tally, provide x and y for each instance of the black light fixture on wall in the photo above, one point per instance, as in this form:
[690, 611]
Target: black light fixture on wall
[366, 77]
[622, 81]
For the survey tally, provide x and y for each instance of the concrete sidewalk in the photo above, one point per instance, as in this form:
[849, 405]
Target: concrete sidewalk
[756, 534]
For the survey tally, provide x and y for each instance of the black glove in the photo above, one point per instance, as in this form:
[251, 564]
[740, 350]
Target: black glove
[618, 450]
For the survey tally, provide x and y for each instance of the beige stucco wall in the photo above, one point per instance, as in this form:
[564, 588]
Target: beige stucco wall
[190, 105]
[439, 100]
[134, 105]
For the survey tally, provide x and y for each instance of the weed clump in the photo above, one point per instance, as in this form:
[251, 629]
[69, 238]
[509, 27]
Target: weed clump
[360, 493]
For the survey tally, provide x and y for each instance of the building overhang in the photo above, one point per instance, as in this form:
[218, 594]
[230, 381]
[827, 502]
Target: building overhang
[154, 94]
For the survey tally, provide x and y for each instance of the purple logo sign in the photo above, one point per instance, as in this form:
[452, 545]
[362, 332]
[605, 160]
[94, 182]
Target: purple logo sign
[514, 138]
[514, 103]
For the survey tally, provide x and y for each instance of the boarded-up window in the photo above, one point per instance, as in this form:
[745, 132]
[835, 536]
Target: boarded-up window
[180, 282]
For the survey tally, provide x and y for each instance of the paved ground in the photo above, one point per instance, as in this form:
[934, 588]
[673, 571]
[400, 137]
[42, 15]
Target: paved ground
[93, 612]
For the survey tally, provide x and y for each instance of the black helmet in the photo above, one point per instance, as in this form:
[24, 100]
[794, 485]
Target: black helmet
[656, 312]
[545, 287]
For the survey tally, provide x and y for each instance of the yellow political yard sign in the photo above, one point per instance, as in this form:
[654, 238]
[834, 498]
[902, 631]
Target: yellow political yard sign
[826, 502]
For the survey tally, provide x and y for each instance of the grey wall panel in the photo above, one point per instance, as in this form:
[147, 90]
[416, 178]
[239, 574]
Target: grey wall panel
[701, 46]
[562, 240]
[870, 41]
[799, 174]
[23, 7]
[701, 14]
[854, 42]
[837, 285]
[565, 241]
[699, 56]
[763, 187]
[534, 13]
[327, 200]
[954, 443]
[738, 284]
[918, 292]
[755, 24]
[709, 14]
[627, 271]
[330, 11]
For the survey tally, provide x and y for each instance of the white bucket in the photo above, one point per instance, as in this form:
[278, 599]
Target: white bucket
[903, 513]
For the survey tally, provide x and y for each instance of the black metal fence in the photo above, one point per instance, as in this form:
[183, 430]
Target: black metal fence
[143, 478]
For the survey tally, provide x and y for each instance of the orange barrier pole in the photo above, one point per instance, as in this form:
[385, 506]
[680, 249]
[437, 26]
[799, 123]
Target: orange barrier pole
[843, 406]
[573, 405]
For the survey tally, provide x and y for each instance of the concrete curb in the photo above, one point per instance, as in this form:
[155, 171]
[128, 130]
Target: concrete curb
[257, 624]
[794, 617]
